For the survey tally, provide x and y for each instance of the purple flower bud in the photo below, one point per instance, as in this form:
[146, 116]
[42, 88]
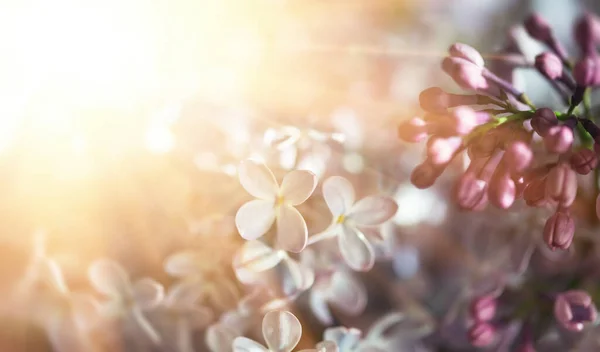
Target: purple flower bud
[587, 33]
[502, 190]
[574, 309]
[549, 65]
[413, 130]
[535, 193]
[482, 334]
[561, 184]
[483, 309]
[587, 71]
[470, 193]
[465, 73]
[518, 157]
[538, 28]
[559, 139]
[483, 146]
[463, 120]
[466, 52]
[442, 150]
[424, 175]
[584, 161]
[559, 230]
[543, 119]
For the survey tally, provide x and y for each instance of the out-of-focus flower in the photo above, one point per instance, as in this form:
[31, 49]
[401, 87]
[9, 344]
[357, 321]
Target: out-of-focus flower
[126, 299]
[484, 308]
[482, 334]
[349, 216]
[274, 203]
[574, 309]
[281, 331]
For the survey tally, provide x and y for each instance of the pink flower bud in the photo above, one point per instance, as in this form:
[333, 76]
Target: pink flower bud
[413, 130]
[574, 309]
[538, 28]
[543, 119]
[559, 139]
[482, 334]
[466, 52]
[584, 161]
[535, 193]
[483, 309]
[518, 157]
[434, 100]
[465, 73]
[424, 175]
[502, 190]
[587, 33]
[483, 146]
[470, 193]
[561, 184]
[559, 230]
[587, 71]
[549, 65]
[463, 120]
[442, 150]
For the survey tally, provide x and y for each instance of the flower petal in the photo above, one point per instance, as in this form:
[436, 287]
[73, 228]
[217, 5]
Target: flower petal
[258, 180]
[339, 195]
[347, 293]
[184, 293]
[254, 257]
[108, 277]
[296, 278]
[148, 293]
[281, 330]
[297, 186]
[52, 273]
[199, 317]
[244, 344]
[292, 233]
[183, 264]
[319, 307]
[219, 338]
[86, 312]
[345, 338]
[355, 249]
[255, 218]
[373, 210]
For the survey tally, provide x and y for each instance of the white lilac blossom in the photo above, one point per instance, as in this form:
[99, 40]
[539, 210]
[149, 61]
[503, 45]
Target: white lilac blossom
[274, 203]
[281, 331]
[126, 299]
[349, 216]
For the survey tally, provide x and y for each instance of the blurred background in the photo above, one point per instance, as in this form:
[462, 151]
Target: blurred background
[122, 123]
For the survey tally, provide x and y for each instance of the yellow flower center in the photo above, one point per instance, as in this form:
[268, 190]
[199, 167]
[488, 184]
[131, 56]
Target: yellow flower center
[340, 219]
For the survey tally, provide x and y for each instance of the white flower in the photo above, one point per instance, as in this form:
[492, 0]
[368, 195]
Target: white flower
[274, 203]
[126, 299]
[349, 216]
[281, 331]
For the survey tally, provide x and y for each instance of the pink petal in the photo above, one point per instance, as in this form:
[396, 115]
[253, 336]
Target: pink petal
[184, 263]
[148, 293]
[339, 195]
[297, 278]
[355, 249]
[373, 210]
[319, 307]
[297, 186]
[281, 330]
[347, 293]
[244, 344]
[219, 338]
[258, 180]
[292, 233]
[254, 218]
[253, 258]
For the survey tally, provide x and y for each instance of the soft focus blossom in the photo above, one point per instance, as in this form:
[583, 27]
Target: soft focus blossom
[281, 331]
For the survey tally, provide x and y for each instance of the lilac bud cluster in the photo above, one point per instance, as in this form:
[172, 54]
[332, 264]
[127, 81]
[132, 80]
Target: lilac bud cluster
[500, 128]
[482, 310]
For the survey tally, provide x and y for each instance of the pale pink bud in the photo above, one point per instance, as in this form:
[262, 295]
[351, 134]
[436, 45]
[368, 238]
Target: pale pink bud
[482, 334]
[483, 308]
[543, 119]
[561, 184]
[587, 33]
[518, 157]
[549, 65]
[538, 28]
[587, 71]
[413, 130]
[434, 100]
[466, 52]
[559, 139]
[442, 150]
[464, 120]
[502, 190]
[559, 230]
[425, 174]
[465, 73]
[574, 309]
[470, 193]
[584, 161]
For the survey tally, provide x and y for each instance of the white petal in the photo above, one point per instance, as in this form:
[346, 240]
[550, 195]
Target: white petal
[327, 346]
[184, 293]
[183, 264]
[258, 180]
[346, 339]
[287, 157]
[373, 210]
[355, 249]
[319, 307]
[296, 278]
[292, 233]
[52, 272]
[86, 311]
[148, 293]
[347, 293]
[219, 338]
[255, 218]
[244, 344]
[297, 186]
[109, 278]
[254, 257]
[339, 195]
[281, 330]
[236, 321]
